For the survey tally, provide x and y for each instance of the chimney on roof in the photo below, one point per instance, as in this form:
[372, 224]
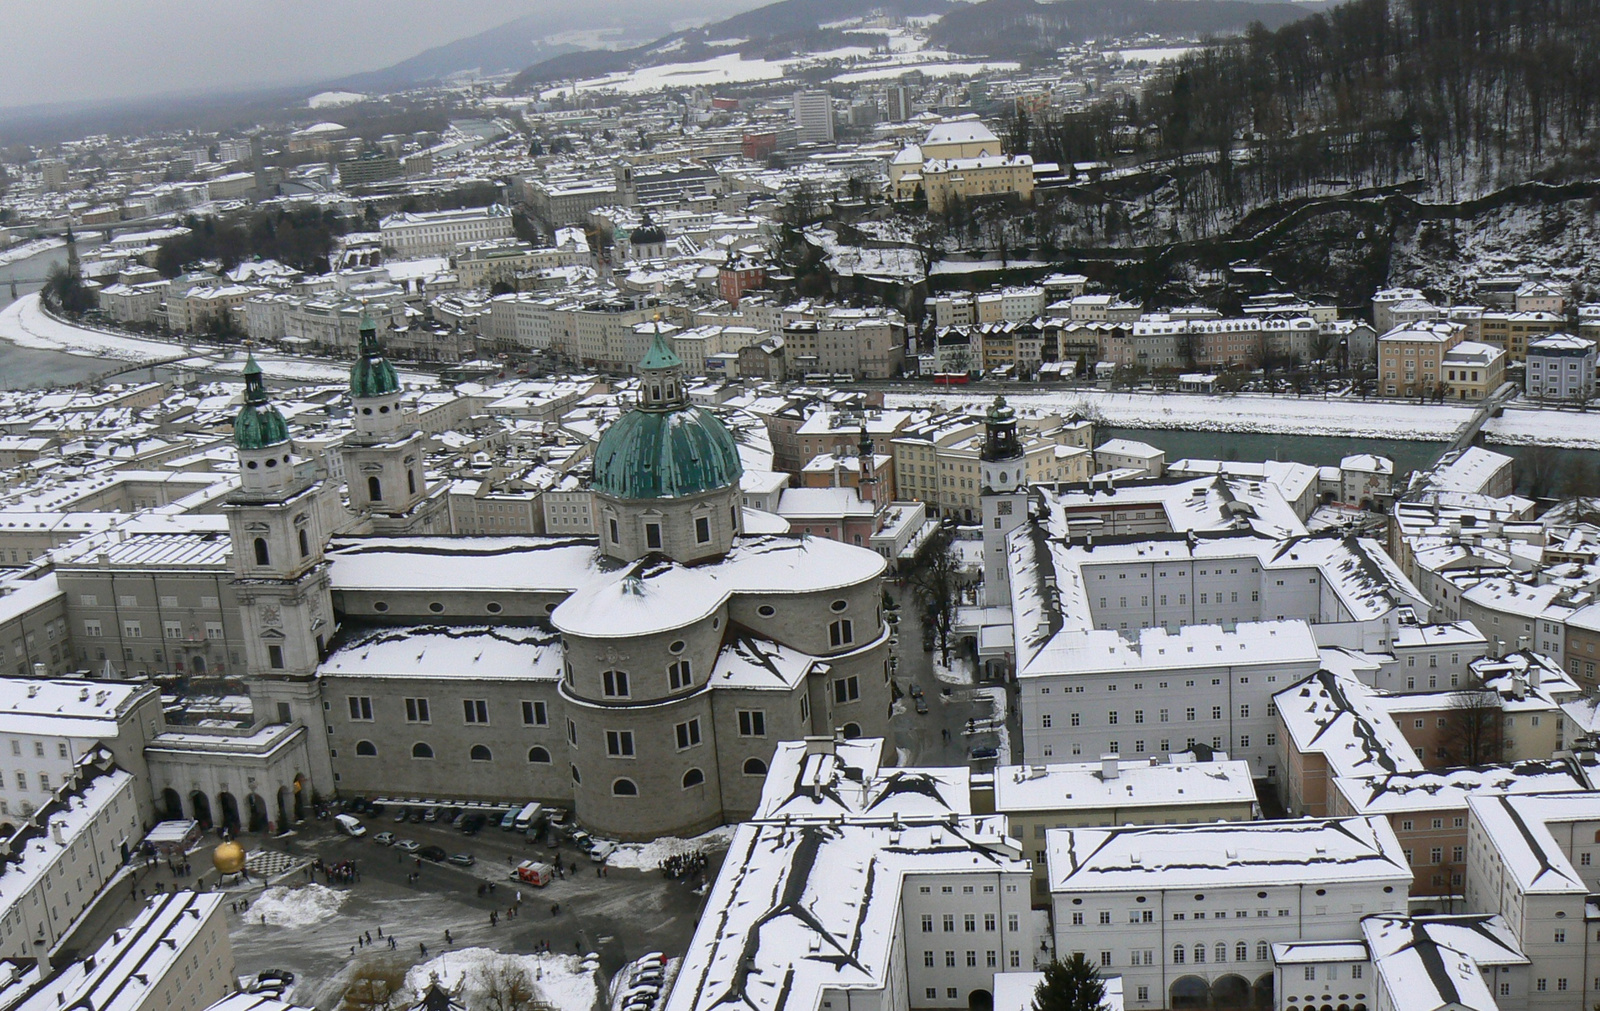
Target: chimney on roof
[57, 833]
[1109, 768]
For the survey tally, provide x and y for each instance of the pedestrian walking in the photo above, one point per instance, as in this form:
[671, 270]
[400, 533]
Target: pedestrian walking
[447, 938]
[369, 935]
[424, 949]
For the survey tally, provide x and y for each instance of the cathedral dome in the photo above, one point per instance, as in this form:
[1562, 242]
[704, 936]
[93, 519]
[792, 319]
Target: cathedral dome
[665, 447]
[666, 454]
[258, 424]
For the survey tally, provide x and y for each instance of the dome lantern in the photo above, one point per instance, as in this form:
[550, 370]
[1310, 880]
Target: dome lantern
[258, 424]
[372, 375]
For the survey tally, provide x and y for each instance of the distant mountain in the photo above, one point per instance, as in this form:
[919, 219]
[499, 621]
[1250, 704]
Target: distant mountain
[506, 49]
[1017, 29]
[773, 30]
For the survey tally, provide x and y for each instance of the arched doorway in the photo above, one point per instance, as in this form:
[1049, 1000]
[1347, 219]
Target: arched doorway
[1189, 992]
[7, 830]
[228, 805]
[171, 804]
[980, 1000]
[1263, 993]
[198, 664]
[1231, 993]
[300, 799]
[201, 806]
[257, 808]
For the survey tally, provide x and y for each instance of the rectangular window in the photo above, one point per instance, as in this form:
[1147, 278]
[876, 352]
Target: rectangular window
[275, 657]
[619, 743]
[702, 530]
[475, 710]
[417, 711]
[130, 629]
[841, 633]
[927, 928]
[846, 689]
[360, 707]
[752, 723]
[534, 714]
[213, 630]
[91, 628]
[688, 734]
[172, 629]
[652, 536]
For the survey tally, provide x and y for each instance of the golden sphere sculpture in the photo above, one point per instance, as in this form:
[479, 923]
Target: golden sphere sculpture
[228, 858]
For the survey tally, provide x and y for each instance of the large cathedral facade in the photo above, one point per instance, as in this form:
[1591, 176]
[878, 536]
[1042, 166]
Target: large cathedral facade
[642, 677]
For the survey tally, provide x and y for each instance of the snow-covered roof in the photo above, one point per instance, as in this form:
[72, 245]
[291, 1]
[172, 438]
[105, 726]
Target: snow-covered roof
[1341, 719]
[747, 661]
[1083, 786]
[963, 130]
[1519, 831]
[1441, 961]
[821, 779]
[497, 652]
[1233, 855]
[642, 598]
[1449, 789]
[66, 707]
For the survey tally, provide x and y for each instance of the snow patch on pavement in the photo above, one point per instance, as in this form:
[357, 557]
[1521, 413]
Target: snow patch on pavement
[560, 980]
[958, 672]
[997, 705]
[648, 856]
[297, 907]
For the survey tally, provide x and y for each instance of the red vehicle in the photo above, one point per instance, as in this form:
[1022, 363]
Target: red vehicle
[950, 379]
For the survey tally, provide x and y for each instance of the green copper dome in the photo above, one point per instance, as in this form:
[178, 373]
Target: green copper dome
[666, 454]
[372, 375]
[258, 424]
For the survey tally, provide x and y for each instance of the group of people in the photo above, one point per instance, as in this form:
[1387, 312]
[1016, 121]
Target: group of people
[338, 872]
[364, 940]
[683, 865]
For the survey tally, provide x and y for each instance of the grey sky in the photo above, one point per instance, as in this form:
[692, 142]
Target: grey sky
[74, 50]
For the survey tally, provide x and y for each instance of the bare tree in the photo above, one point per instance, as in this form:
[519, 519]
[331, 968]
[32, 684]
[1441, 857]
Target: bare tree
[938, 579]
[506, 986]
[1475, 725]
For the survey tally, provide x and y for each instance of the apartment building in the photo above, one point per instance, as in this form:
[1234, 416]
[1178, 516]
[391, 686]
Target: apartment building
[430, 233]
[1411, 357]
[1561, 367]
[1472, 371]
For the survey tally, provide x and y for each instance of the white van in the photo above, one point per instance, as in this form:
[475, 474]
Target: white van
[350, 825]
[528, 816]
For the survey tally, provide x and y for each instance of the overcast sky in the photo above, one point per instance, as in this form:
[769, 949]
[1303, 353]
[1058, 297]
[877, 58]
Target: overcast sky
[75, 50]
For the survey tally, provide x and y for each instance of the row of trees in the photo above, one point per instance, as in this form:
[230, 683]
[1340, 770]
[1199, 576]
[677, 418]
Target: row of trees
[302, 238]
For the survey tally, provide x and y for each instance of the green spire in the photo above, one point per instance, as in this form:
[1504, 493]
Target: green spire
[372, 375]
[258, 424]
[660, 355]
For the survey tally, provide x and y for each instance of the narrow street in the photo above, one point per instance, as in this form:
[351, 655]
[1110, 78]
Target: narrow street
[920, 736]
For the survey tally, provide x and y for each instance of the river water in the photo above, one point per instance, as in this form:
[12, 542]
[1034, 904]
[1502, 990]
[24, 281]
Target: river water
[23, 368]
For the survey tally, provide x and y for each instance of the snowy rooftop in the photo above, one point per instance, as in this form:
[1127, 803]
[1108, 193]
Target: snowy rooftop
[1225, 855]
[1519, 830]
[1205, 503]
[821, 779]
[500, 652]
[1084, 786]
[1472, 471]
[1342, 719]
[65, 707]
[797, 910]
[128, 970]
[33, 852]
[1449, 789]
[1441, 961]
[747, 661]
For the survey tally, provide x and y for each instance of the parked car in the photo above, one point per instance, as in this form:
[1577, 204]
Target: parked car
[430, 815]
[922, 704]
[414, 815]
[462, 859]
[599, 849]
[450, 815]
[376, 808]
[434, 853]
[916, 691]
[983, 753]
[271, 981]
[385, 839]
[401, 813]
[409, 845]
[472, 824]
[350, 825]
[651, 975]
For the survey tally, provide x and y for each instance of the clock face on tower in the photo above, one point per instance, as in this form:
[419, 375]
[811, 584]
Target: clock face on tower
[270, 615]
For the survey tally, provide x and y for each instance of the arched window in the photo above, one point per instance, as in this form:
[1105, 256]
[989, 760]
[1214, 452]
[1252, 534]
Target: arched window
[480, 753]
[305, 543]
[841, 633]
[263, 557]
[755, 767]
[411, 481]
[1263, 951]
[694, 777]
[366, 749]
[374, 489]
[1178, 954]
[420, 750]
[624, 788]
[539, 755]
[851, 731]
[1221, 953]
[1199, 953]
[1241, 952]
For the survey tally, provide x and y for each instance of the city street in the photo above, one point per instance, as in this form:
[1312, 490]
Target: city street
[919, 736]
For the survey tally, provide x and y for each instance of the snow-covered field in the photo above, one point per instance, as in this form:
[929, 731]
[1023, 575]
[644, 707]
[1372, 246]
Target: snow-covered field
[931, 68]
[560, 980]
[1563, 429]
[297, 907]
[648, 856]
[1164, 54]
[1371, 419]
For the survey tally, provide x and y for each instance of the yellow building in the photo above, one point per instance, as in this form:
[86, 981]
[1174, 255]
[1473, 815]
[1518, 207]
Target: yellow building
[959, 157]
[1472, 371]
[1410, 358]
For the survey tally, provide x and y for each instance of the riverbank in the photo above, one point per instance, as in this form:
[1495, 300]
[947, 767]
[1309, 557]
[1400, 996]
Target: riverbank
[25, 323]
[1260, 414]
[27, 250]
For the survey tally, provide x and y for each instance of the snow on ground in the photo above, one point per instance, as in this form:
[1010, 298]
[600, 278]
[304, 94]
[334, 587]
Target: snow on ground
[25, 324]
[1164, 54]
[1565, 429]
[1372, 419]
[297, 907]
[934, 68]
[334, 99]
[561, 980]
[727, 69]
[997, 707]
[27, 249]
[958, 672]
[978, 266]
[648, 856]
